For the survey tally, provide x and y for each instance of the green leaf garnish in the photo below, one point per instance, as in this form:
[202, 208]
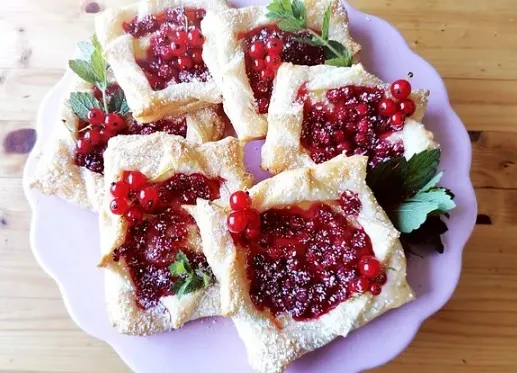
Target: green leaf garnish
[188, 280]
[82, 102]
[408, 192]
[292, 17]
[118, 103]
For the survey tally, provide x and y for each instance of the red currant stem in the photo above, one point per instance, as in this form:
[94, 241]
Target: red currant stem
[133, 203]
[325, 42]
[88, 127]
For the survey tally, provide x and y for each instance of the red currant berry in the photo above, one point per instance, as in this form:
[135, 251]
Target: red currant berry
[167, 52]
[119, 189]
[400, 89]
[387, 107]
[134, 215]
[360, 285]
[178, 49]
[273, 62]
[119, 206]
[258, 65]
[252, 233]
[83, 146]
[95, 116]
[397, 119]
[149, 198]
[375, 289]
[185, 63]
[275, 46]
[253, 219]
[106, 134]
[240, 200]
[263, 105]
[197, 56]
[195, 38]
[180, 37]
[369, 266]
[257, 50]
[115, 123]
[267, 75]
[407, 107]
[237, 221]
[136, 180]
[93, 137]
[362, 109]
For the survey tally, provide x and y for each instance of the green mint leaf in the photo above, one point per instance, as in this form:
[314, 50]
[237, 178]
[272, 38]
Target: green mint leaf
[177, 285]
[279, 9]
[83, 70]
[181, 257]
[422, 168]
[290, 25]
[410, 215]
[206, 277]
[325, 27]
[432, 183]
[82, 102]
[190, 284]
[315, 42]
[429, 234]
[178, 268]
[299, 12]
[438, 196]
[118, 103]
[86, 48]
[98, 64]
[335, 49]
[339, 62]
[386, 180]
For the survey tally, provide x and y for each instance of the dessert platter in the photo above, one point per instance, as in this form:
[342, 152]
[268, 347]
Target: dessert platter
[250, 187]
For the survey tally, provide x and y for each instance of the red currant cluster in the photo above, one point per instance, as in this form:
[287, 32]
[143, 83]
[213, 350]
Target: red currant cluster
[266, 59]
[101, 128]
[404, 107]
[372, 276]
[243, 219]
[132, 196]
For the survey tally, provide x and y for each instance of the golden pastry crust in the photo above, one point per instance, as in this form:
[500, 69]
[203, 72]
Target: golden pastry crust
[57, 174]
[120, 50]
[226, 59]
[159, 156]
[271, 348]
[282, 149]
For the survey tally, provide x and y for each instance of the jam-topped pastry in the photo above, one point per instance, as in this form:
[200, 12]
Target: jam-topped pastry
[156, 50]
[72, 164]
[319, 112]
[157, 276]
[302, 258]
[250, 47]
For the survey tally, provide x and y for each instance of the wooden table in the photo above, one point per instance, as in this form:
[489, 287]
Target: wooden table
[474, 46]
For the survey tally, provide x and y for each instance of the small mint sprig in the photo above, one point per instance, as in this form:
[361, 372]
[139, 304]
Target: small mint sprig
[93, 68]
[292, 17]
[408, 192]
[189, 280]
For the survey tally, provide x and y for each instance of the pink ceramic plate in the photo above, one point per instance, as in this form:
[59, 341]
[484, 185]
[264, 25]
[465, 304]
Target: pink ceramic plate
[65, 241]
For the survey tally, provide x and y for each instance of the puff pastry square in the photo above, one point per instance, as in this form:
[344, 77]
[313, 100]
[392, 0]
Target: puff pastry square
[289, 291]
[229, 34]
[305, 128]
[57, 172]
[139, 296]
[139, 37]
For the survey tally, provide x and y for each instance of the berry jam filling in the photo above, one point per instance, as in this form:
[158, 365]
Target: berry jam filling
[305, 261]
[158, 229]
[355, 120]
[93, 134]
[176, 45]
[265, 49]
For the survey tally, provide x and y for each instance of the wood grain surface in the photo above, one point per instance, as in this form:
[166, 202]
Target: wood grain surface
[473, 44]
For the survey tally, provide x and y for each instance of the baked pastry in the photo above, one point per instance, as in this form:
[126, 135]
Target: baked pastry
[319, 112]
[310, 256]
[245, 64]
[155, 50]
[143, 228]
[72, 168]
